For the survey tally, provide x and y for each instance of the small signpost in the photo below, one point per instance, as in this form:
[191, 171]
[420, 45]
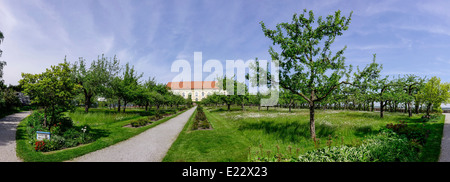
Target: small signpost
[41, 135]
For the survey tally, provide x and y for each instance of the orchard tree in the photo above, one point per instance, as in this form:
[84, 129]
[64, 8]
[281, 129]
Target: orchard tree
[240, 91]
[53, 90]
[412, 85]
[307, 65]
[227, 98]
[149, 92]
[434, 93]
[94, 80]
[129, 85]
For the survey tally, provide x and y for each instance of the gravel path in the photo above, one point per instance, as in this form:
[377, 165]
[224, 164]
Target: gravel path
[8, 127]
[149, 146]
[445, 143]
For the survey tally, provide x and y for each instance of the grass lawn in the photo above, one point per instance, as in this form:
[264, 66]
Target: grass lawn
[107, 128]
[237, 135]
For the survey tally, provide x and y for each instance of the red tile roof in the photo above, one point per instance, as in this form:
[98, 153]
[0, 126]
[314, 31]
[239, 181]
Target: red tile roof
[192, 85]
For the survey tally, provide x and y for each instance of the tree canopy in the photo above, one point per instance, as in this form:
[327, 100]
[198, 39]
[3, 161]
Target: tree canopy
[306, 57]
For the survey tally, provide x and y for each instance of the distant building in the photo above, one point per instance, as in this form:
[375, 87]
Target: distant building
[101, 99]
[197, 89]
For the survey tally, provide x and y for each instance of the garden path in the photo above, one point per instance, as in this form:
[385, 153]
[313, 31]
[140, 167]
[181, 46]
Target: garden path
[8, 127]
[149, 146]
[445, 143]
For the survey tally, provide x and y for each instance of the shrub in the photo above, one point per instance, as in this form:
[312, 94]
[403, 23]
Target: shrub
[417, 133]
[56, 142]
[65, 123]
[204, 125]
[63, 133]
[200, 120]
[158, 115]
[432, 118]
[36, 119]
[39, 145]
[387, 146]
[200, 116]
[141, 122]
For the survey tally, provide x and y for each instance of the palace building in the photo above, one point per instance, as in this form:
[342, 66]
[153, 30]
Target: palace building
[197, 89]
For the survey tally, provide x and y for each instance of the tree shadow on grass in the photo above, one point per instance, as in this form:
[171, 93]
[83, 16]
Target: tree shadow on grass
[95, 133]
[366, 130]
[288, 131]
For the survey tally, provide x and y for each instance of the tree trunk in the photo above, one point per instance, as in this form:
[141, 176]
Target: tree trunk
[312, 125]
[45, 117]
[228, 105]
[381, 109]
[118, 105]
[124, 105]
[417, 107]
[87, 102]
[409, 109]
[428, 109]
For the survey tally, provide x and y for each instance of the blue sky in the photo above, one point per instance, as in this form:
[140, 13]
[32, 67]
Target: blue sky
[409, 37]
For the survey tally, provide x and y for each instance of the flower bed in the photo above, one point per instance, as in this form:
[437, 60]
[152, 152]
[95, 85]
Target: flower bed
[62, 134]
[200, 121]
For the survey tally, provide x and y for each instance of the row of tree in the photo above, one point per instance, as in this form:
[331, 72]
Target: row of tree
[57, 89]
[408, 93]
[310, 73]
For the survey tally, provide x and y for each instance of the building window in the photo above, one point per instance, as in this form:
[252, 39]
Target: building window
[196, 99]
[184, 94]
[203, 94]
[196, 93]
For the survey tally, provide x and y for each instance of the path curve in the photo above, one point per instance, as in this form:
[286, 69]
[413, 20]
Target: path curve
[8, 127]
[149, 146]
[445, 142]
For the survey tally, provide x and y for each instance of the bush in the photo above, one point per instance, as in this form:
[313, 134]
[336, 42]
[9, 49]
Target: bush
[39, 145]
[158, 115]
[63, 133]
[387, 146]
[142, 121]
[56, 142]
[200, 120]
[36, 119]
[417, 133]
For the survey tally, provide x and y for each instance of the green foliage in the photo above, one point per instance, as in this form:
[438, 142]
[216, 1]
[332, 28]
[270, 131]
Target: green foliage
[95, 79]
[417, 133]
[53, 89]
[8, 98]
[63, 133]
[142, 121]
[434, 93]
[307, 66]
[200, 120]
[384, 147]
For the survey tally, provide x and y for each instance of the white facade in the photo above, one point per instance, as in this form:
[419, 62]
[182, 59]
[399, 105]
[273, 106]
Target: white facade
[196, 94]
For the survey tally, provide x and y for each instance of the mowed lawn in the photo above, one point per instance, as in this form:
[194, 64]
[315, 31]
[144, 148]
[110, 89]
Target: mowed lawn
[237, 135]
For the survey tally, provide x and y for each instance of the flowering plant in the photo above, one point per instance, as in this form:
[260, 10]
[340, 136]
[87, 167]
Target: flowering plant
[39, 145]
